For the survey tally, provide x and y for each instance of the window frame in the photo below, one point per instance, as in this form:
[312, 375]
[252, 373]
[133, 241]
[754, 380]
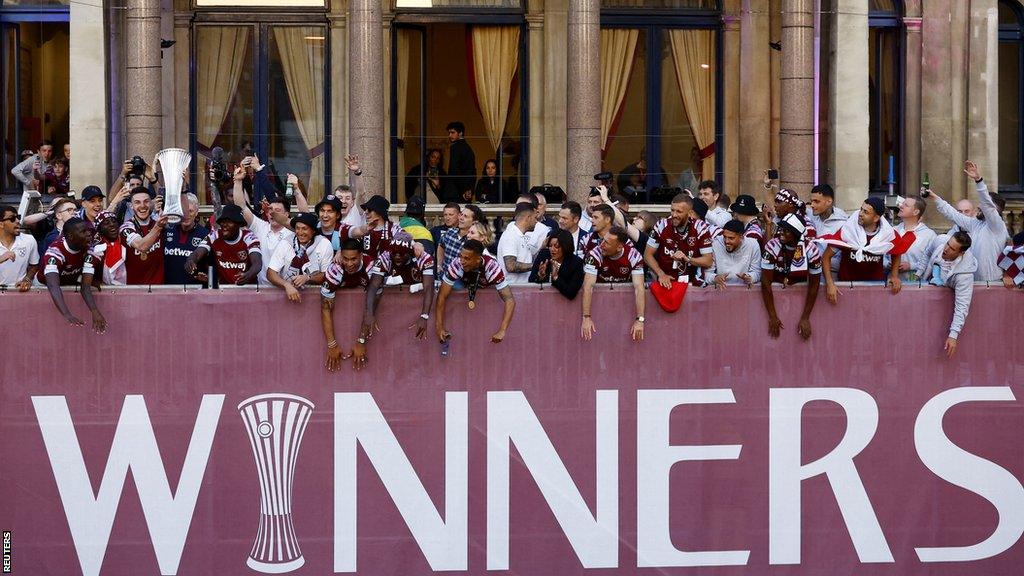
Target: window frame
[418, 19]
[260, 25]
[891, 22]
[1015, 34]
[654, 23]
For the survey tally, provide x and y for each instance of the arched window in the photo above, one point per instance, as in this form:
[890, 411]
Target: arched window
[885, 77]
[1010, 91]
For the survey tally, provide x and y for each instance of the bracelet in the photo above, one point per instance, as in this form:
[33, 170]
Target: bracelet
[586, 315]
[332, 344]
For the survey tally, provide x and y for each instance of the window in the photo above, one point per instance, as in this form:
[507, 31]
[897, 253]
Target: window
[467, 71]
[885, 77]
[1010, 92]
[659, 119]
[260, 88]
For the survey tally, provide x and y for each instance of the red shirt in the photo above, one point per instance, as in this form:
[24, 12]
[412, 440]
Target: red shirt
[694, 240]
[375, 240]
[335, 278]
[619, 269]
[62, 260]
[488, 274]
[791, 264]
[145, 268]
[411, 273]
[871, 268]
[231, 258]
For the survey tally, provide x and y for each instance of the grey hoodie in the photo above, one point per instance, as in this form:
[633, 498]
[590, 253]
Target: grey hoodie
[988, 236]
[961, 279]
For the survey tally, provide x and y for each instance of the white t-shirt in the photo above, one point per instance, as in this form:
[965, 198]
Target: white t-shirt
[514, 243]
[269, 241]
[26, 254]
[355, 217]
[318, 257]
[537, 237]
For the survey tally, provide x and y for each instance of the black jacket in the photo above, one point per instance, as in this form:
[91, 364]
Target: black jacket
[570, 275]
[461, 170]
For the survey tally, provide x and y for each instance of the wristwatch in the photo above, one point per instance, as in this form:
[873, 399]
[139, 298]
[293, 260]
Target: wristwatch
[361, 340]
[640, 319]
[425, 316]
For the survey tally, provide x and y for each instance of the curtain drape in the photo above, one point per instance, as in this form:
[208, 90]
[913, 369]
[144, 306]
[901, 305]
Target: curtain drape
[618, 48]
[405, 39]
[221, 58]
[302, 61]
[693, 53]
[495, 61]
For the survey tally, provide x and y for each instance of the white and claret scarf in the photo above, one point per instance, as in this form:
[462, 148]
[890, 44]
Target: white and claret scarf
[853, 237]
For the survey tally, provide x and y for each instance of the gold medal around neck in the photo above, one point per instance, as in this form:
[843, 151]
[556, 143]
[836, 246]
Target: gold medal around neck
[472, 305]
[143, 256]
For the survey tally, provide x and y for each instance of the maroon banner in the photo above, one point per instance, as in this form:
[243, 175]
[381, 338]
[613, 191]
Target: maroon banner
[202, 435]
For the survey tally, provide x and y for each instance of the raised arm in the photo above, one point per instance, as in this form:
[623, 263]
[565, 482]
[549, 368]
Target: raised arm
[355, 178]
[506, 318]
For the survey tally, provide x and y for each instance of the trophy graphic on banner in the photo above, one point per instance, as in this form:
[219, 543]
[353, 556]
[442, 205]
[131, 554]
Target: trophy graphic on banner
[173, 162]
[275, 424]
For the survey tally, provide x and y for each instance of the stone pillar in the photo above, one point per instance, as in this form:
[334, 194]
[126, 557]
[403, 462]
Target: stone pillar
[983, 91]
[88, 113]
[755, 130]
[584, 113]
[338, 133]
[848, 121]
[796, 130]
[538, 89]
[910, 171]
[366, 99]
[555, 86]
[143, 108]
[731, 100]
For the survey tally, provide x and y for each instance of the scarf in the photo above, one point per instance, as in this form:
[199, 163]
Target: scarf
[853, 237]
[1011, 261]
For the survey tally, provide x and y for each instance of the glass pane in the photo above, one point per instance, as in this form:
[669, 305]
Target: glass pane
[296, 128]
[12, 146]
[687, 60]
[883, 7]
[409, 73]
[882, 58]
[472, 79]
[224, 84]
[1009, 114]
[426, 4]
[624, 148]
[1007, 16]
[34, 3]
[676, 4]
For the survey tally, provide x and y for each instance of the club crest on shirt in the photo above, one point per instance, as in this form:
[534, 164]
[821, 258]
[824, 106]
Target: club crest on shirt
[196, 242]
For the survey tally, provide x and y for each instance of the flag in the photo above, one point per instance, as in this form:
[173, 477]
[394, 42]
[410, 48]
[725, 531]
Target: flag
[853, 237]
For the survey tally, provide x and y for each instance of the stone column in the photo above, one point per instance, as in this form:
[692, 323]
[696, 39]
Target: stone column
[796, 130]
[143, 108]
[584, 113]
[554, 84]
[338, 133]
[848, 121]
[983, 91]
[88, 113]
[366, 99]
[911, 171]
[755, 131]
[731, 99]
[538, 88]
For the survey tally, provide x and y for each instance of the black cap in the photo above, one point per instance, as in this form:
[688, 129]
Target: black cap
[233, 213]
[700, 207]
[416, 206]
[329, 200]
[603, 176]
[306, 218]
[877, 204]
[745, 205]
[91, 192]
[377, 204]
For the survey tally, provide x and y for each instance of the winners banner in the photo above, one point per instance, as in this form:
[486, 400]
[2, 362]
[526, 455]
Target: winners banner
[202, 435]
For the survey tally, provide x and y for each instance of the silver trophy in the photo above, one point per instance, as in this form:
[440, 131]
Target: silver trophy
[173, 162]
[275, 424]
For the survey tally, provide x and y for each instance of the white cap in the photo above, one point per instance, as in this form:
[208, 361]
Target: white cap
[795, 223]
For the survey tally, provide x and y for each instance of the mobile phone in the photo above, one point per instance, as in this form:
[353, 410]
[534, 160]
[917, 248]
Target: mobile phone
[247, 162]
[925, 186]
[773, 174]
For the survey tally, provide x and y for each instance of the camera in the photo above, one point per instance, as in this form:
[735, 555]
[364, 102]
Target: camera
[218, 167]
[136, 168]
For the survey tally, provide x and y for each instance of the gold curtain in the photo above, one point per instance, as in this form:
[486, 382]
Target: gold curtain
[303, 63]
[221, 57]
[618, 48]
[495, 61]
[405, 38]
[693, 52]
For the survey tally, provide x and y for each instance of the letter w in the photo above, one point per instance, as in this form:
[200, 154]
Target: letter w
[91, 517]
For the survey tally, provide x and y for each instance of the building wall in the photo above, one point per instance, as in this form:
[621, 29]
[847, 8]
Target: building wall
[949, 114]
